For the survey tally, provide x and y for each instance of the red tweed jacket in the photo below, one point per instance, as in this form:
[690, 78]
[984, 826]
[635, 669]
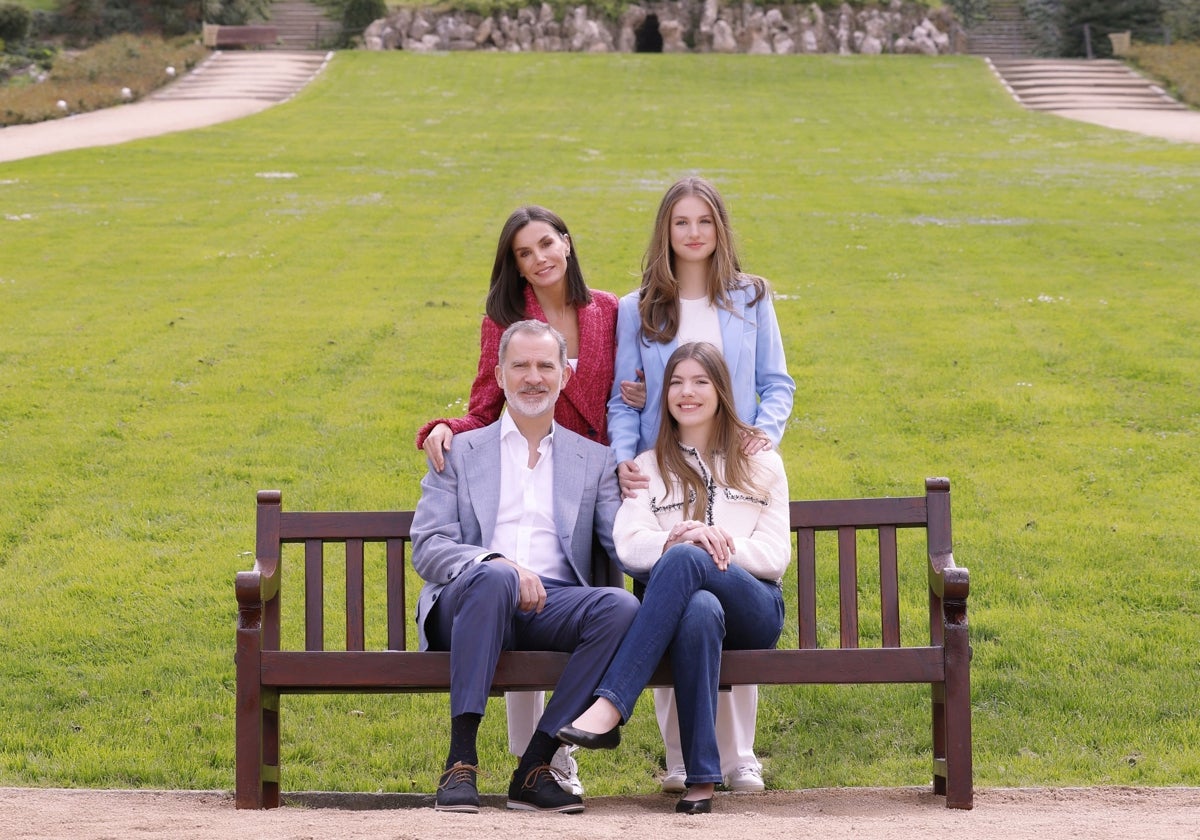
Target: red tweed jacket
[582, 404]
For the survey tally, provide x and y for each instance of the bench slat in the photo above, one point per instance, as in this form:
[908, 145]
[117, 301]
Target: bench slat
[356, 635]
[848, 585]
[314, 595]
[806, 585]
[889, 587]
[397, 626]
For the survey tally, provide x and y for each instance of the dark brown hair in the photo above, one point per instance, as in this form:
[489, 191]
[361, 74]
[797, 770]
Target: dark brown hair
[506, 294]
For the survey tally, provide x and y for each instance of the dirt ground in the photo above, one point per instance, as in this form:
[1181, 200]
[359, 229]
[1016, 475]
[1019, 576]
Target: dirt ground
[831, 814]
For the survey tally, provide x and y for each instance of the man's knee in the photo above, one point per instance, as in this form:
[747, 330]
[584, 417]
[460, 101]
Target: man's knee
[615, 608]
[624, 606]
[499, 578]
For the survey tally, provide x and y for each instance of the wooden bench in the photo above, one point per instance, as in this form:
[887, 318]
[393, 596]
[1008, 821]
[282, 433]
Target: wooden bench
[265, 672]
[218, 37]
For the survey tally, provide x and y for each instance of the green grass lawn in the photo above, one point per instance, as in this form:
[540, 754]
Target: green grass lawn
[966, 289]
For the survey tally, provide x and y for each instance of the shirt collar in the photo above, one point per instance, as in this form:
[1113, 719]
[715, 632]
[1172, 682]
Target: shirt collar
[508, 427]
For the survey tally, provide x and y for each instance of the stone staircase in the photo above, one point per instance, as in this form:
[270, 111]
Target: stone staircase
[1067, 84]
[303, 26]
[246, 75]
[1006, 32]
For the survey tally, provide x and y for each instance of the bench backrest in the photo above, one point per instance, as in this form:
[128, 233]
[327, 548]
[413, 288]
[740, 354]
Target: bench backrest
[847, 519]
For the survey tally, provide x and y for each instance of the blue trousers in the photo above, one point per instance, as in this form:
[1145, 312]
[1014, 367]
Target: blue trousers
[694, 610]
[476, 617]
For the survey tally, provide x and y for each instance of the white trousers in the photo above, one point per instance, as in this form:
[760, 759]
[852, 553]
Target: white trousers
[737, 715]
[524, 710]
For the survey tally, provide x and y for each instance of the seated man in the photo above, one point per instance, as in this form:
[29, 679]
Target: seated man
[503, 537]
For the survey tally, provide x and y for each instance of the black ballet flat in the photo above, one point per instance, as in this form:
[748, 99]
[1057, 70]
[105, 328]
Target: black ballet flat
[590, 740]
[694, 806]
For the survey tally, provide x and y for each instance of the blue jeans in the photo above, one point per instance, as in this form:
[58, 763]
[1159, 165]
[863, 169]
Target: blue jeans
[694, 610]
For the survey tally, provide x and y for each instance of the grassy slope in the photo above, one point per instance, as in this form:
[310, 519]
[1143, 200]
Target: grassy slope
[967, 290]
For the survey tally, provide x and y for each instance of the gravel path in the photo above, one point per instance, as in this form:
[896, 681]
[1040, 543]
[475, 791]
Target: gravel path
[835, 814]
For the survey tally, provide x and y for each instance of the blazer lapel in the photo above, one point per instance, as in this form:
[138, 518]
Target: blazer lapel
[664, 352]
[482, 467]
[570, 473]
[733, 324]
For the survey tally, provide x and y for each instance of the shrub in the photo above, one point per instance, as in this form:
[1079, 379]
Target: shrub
[1177, 66]
[234, 12]
[970, 12]
[1141, 17]
[1046, 21]
[14, 23]
[357, 15]
[1181, 20]
[93, 78]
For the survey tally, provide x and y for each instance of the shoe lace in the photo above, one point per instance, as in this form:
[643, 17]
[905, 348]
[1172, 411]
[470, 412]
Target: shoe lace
[458, 773]
[533, 777]
[749, 770]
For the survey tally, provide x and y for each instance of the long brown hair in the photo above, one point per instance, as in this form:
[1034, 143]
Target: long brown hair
[659, 301]
[730, 466]
[506, 294]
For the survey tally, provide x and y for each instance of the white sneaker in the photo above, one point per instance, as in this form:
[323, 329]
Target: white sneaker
[674, 781]
[568, 769]
[747, 778]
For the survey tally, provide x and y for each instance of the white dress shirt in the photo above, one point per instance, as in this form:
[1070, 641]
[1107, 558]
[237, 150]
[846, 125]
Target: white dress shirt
[525, 530]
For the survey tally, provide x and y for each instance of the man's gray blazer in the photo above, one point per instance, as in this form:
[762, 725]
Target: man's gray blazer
[456, 516]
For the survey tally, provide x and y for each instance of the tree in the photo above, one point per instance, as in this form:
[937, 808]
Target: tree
[14, 23]
[1143, 18]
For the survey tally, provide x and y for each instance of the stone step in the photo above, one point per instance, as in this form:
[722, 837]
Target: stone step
[1068, 103]
[1006, 32]
[1064, 84]
[303, 25]
[246, 74]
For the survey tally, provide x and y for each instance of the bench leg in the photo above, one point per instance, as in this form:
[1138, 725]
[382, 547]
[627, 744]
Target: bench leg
[938, 698]
[959, 772]
[256, 724]
[270, 759]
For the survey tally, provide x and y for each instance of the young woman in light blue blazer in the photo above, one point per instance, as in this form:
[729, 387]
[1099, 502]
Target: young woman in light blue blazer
[693, 289]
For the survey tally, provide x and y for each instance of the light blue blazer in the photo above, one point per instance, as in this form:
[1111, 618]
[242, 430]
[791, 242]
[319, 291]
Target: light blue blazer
[753, 348]
[456, 516]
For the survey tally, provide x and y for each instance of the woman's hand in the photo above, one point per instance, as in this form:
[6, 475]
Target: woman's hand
[634, 393]
[712, 538]
[436, 444]
[755, 441]
[631, 479]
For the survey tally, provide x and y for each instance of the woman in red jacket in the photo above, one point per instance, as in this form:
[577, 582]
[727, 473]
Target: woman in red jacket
[537, 275]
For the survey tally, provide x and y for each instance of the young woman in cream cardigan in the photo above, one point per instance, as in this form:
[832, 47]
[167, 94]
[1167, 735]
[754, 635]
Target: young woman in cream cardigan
[709, 536]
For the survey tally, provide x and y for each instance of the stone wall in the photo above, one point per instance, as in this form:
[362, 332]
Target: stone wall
[677, 26]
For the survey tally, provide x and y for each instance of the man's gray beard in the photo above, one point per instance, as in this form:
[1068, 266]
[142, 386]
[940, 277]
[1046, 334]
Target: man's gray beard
[518, 403]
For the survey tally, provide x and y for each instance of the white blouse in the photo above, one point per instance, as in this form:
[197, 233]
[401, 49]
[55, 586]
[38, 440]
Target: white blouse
[760, 525]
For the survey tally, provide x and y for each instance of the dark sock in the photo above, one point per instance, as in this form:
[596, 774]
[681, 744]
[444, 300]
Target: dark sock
[540, 750]
[463, 731]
